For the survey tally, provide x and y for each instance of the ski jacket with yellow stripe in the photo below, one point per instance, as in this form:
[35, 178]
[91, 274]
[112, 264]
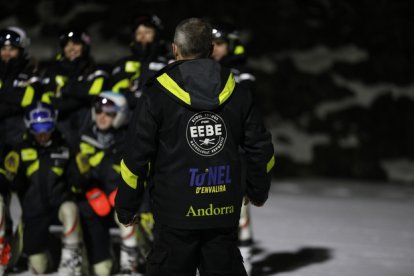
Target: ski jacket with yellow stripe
[71, 85]
[99, 157]
[184, 137]
[40, 174]
[20, 86]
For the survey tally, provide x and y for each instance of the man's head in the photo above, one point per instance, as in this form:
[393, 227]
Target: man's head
[13, 41]
[192, 39]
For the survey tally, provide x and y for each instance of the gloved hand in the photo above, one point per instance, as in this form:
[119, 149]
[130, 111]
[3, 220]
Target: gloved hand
[147, 223]
[248, 200]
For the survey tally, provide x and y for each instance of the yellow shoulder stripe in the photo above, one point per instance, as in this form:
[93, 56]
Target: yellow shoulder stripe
[28, 96]
[96, 87]
[28, 154]
[169, 84]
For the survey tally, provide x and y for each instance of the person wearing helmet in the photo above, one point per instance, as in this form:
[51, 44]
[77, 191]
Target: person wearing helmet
[101, 148]
[148, 55]
[230, 52]
[20, 85]
[72, 81]
[40, 169]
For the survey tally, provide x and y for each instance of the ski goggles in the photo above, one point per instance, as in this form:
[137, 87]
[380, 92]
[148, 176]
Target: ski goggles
[10, 38]
[37, 128]
[103, 105]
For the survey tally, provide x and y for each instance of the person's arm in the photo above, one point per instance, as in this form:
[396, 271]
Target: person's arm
[140, 148]
[258, 147]
[91, 86]
[13, 170]
[22, 95]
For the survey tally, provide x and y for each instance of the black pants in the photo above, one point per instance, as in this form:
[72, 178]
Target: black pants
[179, 252]
[36, 232]
[96, 234]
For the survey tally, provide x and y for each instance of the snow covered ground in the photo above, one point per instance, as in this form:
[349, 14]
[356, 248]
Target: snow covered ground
[334, 228]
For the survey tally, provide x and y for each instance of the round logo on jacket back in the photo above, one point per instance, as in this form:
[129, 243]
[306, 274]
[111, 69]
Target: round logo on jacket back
[206, 133]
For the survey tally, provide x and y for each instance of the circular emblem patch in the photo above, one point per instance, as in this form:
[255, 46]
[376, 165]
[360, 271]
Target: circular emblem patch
[206, 133]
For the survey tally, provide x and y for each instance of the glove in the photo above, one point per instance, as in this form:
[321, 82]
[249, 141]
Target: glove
[147, 222]
[248, 200]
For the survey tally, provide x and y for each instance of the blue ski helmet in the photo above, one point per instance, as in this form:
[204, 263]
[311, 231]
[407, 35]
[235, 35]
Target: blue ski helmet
[40, 118]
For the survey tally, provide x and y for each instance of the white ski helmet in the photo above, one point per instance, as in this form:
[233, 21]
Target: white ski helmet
[111, 102]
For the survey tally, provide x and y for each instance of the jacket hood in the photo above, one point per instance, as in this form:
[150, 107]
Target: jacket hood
[201, 84]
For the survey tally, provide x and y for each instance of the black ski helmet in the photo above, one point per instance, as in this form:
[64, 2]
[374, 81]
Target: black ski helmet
[14, 36]
[76, 36]
[227, 32]
[148, 20]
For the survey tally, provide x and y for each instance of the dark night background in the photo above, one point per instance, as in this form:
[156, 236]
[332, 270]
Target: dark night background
[334, 78]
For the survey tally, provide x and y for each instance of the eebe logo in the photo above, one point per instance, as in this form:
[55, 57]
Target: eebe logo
[206, 133]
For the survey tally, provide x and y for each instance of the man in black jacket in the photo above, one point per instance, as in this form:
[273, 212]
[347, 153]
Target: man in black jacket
[186, 133]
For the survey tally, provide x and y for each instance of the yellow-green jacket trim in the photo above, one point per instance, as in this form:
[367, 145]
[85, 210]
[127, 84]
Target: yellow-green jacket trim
[174, 88]
[168, 83]
[122, 84]
[32, 168]
[28, 96]
[227, 90]
[130, 179]
[96, 159]
[270, 164]
[96, 87]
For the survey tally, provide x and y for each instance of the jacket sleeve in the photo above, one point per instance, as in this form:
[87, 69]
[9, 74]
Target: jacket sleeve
[140, 149]
[23, 95]
[91, 86]
[258, 147]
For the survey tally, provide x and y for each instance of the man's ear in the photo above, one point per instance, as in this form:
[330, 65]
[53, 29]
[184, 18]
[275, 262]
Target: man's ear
[174, 50]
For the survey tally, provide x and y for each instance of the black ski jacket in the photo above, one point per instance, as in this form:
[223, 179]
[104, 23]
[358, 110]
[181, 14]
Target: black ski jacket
[40, 175]
[20, 86]
[131, 73]
[185, 136]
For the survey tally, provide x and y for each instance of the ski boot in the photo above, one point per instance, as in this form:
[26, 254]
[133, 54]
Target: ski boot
[70, 261]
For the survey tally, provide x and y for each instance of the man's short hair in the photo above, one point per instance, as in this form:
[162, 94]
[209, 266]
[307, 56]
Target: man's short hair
[193, 37]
